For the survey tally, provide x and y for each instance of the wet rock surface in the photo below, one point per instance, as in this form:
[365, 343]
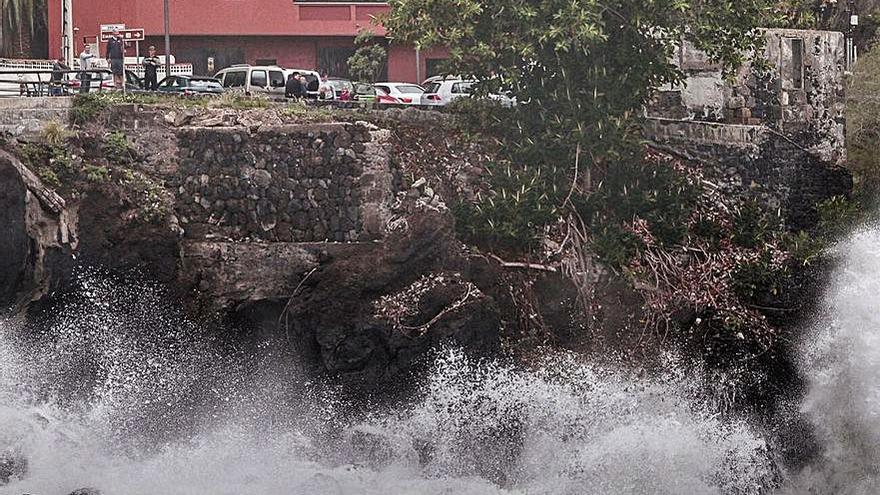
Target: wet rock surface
[370, 318]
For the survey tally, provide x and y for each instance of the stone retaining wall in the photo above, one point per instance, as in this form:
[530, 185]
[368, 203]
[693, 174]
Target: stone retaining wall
[756, 162]
[296, 183]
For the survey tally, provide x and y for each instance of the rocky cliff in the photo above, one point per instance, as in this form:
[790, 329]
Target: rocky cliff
[331, 235]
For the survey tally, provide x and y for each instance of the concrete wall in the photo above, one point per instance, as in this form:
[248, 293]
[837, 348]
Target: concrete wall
[300, 183]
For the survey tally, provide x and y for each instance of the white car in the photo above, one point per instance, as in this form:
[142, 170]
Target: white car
[253, 79]
[406, 93]
[443, 92]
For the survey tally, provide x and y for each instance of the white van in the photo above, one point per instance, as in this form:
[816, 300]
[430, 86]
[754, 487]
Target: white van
[253, 79]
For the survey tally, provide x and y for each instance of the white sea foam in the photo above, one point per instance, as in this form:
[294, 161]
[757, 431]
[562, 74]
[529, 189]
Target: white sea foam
[123, 394]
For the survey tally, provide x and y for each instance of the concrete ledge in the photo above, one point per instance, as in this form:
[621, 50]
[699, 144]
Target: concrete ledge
[696, 132]
[55, 102]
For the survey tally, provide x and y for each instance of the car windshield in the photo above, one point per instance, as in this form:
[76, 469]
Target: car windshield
[365, 89]
[432, 88]
[340, 84]
[410, 89]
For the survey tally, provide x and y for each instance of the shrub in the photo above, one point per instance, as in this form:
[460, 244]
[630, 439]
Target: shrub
[755, 280]
[97, 174]
[709, 230]
[638, 188]
[838, 216]
[614, 245]
[117, 148]
[752, 225]
[87, 107]
[513, 213]
[54, 133]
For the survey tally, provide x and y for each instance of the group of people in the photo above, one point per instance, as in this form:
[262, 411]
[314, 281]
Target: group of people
[296, 86]
[115, 56]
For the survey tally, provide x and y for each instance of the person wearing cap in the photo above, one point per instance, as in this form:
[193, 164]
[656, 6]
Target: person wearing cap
[116, 58]
[151, 65]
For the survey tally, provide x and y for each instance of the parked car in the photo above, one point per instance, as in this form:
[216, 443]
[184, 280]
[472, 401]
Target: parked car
[406, 93]
[313, 81]
[191, 85]
[444, 91]
[336, 88]
[104, 80]
[369, 92]
[253, 79]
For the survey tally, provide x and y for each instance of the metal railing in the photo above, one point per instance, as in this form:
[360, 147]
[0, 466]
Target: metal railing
[16, 83]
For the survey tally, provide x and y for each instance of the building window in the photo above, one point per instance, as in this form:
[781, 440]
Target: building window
[792, 63]
[267, 61]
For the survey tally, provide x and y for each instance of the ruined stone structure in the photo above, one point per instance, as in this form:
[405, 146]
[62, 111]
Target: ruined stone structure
[775, 133]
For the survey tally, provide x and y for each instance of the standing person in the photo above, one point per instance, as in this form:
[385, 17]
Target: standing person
[151, 65]
[116, 58]
[293, 87]
[85, 64]
[57, 80]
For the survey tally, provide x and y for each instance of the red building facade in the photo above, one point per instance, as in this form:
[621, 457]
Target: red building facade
[295, 34]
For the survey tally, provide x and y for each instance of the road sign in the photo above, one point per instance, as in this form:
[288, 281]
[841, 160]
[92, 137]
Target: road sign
[126, 34]
[110, 27]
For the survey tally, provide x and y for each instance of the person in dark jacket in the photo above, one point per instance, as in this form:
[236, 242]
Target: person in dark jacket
[57, 80]
[293, 88]
[116, 58]
[151, 65]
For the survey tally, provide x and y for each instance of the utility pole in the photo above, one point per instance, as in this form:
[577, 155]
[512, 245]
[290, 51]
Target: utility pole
[67, 42]
[167, 41]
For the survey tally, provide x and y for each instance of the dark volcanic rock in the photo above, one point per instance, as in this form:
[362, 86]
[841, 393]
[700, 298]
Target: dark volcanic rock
[35, 234]
[369, 318]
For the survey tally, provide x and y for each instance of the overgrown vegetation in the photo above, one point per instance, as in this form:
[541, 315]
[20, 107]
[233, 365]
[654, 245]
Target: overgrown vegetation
[117, 149]
[89, 107]
[863, 126]
[582, 70]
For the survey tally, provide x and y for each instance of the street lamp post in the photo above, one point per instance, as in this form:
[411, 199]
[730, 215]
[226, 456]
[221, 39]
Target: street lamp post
[167, 41]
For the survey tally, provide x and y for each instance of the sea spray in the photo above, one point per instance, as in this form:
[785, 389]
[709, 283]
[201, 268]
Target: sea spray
[118, 390]
[841, 360]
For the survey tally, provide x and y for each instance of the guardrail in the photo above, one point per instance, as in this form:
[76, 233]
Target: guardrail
[16, 83]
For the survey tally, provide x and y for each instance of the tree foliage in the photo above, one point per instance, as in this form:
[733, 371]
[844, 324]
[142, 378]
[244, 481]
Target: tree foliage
[366, 63]
[584, 66]
[19, 24]
[581, 71]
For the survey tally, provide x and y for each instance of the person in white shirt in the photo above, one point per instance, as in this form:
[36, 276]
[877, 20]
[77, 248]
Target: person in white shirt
[85, 63]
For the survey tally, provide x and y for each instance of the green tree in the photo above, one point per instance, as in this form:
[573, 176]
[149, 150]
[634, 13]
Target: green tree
[367, 62]
[582, 70]
[20, 24]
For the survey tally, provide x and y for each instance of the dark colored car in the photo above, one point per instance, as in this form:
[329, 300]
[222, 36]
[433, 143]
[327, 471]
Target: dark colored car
[191, 85]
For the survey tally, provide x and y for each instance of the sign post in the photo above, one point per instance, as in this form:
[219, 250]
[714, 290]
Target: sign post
[135, 35]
